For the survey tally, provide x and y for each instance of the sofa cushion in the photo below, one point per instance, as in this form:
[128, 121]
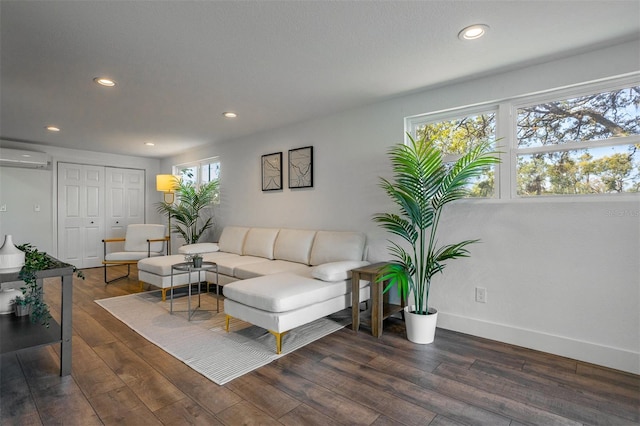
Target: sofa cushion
[217, 256]
[267, 268]
[284, 292]
[294, 245]
[259, 242]
[227, 265]
[160, 265]
[123, 256]
[198, 248]
[334, 246]
[232, 239]
[336, 271]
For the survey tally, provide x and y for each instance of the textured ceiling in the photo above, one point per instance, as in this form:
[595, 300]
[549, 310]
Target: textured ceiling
[180, 64]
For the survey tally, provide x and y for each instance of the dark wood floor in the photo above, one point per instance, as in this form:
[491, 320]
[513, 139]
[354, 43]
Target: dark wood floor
[345, 378]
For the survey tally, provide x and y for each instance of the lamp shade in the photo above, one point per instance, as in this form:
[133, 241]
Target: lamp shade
[166, 183]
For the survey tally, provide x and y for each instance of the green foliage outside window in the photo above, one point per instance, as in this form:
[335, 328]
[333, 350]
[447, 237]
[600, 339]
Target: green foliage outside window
[459, 136]
[603, 123]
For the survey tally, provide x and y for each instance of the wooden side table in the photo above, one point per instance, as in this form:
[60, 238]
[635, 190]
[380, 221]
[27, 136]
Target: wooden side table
[380, 306]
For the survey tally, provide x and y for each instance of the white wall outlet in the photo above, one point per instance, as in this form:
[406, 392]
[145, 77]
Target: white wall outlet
[3, 208]
[481, 295]
[36, 208]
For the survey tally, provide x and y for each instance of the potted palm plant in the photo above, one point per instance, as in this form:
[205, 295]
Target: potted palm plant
[422, 185]
[186, 212]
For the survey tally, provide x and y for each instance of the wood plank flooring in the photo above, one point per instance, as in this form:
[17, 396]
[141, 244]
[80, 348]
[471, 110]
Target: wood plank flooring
[119, 378]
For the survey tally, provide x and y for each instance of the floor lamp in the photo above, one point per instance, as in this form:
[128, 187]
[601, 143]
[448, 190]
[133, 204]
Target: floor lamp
[167, 184]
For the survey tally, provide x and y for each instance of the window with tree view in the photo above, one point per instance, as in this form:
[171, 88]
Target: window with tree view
[457, 136]
[583, 145]
[200, 173]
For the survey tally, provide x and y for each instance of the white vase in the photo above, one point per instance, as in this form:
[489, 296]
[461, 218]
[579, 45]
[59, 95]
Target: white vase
[11, 258]
[421, 329]
[6, 300]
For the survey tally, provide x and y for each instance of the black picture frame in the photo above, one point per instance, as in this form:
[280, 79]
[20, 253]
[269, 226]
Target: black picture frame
[301, 167]
[272, 172]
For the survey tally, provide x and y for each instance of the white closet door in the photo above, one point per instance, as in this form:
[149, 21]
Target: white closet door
[80, 214]
[125, 192]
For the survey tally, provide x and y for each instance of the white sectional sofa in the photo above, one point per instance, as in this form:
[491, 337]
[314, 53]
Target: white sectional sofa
[274, 278]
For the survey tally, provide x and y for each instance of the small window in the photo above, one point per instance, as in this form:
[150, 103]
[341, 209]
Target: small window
[583, 145]
[456, 136]
[200, 172]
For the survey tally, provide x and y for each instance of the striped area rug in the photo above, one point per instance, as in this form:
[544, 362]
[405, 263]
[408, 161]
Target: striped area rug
[202, 343]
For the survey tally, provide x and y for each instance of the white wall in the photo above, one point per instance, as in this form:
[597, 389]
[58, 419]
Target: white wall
[21, 189]
[561, 276]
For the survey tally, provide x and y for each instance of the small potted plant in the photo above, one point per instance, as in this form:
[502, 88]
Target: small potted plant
[195, 258]
[22, 305]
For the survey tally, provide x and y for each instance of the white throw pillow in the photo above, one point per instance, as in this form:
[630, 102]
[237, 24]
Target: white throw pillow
[336, 271]
[198, 248]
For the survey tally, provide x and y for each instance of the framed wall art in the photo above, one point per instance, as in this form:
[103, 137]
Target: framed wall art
[272, 172]
[301, 167]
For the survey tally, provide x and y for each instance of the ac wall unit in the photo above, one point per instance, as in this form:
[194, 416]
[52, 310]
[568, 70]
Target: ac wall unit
[23, 158]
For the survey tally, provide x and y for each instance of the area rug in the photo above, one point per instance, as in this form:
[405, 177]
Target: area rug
[202, 343]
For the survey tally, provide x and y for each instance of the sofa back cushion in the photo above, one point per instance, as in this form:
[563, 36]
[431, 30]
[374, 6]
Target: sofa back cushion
[259, 242]
[334, 246]
[232, 239]
[294, 245]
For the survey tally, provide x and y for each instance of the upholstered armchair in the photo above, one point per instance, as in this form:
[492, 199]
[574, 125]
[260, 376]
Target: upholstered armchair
[140, 241]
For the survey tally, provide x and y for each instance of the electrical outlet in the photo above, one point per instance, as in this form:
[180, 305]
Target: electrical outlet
[481, 295]
[36, 207]
[3, 208]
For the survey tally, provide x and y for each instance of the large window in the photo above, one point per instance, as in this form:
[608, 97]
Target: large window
[459, 134]
[581, 145]
[200, 172]
[563, 143]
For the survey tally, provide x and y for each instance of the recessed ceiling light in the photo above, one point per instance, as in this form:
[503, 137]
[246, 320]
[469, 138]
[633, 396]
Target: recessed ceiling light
[229, 114]
[473, 32]
[150, 144]
[102, 81]
[53, 128]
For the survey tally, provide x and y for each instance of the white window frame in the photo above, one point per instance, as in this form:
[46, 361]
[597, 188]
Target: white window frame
[413, 123]
[177, 170]
[558, 95]
[507, 143]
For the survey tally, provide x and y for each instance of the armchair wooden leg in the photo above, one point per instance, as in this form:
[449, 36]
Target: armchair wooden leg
[226, 326]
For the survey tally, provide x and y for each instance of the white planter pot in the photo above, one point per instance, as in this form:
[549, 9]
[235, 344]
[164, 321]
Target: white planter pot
[421, 329]
[6, 300]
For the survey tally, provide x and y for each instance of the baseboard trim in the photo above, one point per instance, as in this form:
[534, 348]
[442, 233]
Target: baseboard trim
[606, 356]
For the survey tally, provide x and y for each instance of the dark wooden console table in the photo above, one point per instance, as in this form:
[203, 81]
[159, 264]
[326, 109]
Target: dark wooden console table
[17, 333]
